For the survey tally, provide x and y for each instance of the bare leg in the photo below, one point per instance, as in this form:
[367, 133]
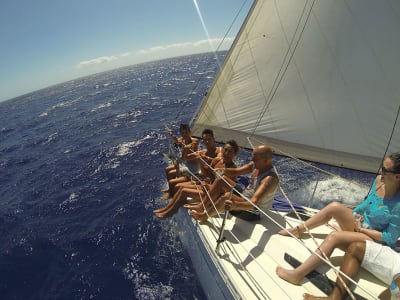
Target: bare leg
[170, 171]
[340, 239]
[190, 184]
[211, 210]
[177, 201]
[173, 182]
[336, 210]
[218, 187]
[350, 266]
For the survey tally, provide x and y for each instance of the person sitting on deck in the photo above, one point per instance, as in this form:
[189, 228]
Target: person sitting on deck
[201, 158]
[195, 191]
[380, 220]
[188, 144]
[261, 190]
[185, 140]
[380, 260]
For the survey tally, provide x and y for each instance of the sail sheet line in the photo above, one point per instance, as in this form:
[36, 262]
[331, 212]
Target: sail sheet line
[391, 134]
[342, 77]
[214, 51]
[305, 163]
[322, 256]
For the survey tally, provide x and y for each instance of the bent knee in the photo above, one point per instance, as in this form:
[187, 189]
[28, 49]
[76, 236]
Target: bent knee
[357, 249]
[333, 237]
[335, 205]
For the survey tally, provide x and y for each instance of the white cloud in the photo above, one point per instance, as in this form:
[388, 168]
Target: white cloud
[189, 45]
[96, 61]
[126, 54]
[158, 52]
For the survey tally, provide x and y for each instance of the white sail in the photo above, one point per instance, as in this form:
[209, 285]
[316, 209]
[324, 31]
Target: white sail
[314, 79]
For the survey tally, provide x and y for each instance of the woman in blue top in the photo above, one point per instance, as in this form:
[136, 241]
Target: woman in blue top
[380, 220]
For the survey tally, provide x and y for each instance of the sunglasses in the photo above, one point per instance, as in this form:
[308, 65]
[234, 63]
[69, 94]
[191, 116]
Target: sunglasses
[387, 171]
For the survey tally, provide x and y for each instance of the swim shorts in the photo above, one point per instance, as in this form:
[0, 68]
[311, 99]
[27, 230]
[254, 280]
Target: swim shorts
[382, 261]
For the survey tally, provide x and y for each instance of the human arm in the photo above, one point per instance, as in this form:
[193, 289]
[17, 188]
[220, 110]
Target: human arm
[372, 233]
[391, 234]
[266, 186]
[190, 151]
[233, 172]
[387, 230]
[361, 207]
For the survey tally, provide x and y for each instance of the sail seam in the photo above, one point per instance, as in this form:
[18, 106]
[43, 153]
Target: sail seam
[286, 61]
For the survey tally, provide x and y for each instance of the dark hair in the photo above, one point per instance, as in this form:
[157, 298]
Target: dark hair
[234, 145]
[208, 131]
[184, 127]
[395, 158]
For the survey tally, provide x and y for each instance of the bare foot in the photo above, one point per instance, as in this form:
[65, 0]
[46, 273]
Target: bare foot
[311, 297]
[197, 207]
[160, 215]
[296, 231]
[199, 216]
[166, 196]
[288, 275]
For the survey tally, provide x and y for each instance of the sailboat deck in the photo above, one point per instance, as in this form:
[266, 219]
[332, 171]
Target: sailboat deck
[252, 251]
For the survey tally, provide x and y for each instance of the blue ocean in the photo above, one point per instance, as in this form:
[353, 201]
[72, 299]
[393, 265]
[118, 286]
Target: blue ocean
[81, 171]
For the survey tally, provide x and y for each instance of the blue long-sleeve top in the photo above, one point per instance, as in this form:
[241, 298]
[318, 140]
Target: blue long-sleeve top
[382, 214]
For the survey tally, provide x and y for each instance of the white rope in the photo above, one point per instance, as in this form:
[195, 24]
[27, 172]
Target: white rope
[323, 257]
[307, 164]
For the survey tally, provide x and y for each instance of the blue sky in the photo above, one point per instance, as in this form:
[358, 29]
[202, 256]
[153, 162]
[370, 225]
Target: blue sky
[44, 42]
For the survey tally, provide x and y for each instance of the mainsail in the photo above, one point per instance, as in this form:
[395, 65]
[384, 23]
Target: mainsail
[314, 79]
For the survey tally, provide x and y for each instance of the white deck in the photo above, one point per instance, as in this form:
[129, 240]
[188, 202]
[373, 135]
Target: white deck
[251, 253]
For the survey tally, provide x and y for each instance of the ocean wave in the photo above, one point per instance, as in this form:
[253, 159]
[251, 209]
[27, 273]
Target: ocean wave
[75, 179]
[111, 158]
[102, 106]
[73, 197]
[129, 115]
[60, 105]
[126, 148]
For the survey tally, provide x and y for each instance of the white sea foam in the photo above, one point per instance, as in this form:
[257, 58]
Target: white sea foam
[134, 114]
[126, 148]
[101, 106]
[60, 105]
[73, 197]
[51, 137]
[319, 193]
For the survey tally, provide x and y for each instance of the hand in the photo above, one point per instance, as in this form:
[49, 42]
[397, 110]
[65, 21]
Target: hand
[358, 222]
[230, 203]
[219, 172]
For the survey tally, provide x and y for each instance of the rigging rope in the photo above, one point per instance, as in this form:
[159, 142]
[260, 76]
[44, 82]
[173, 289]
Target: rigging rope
[388, 143]
[269, 98]
[322, 256]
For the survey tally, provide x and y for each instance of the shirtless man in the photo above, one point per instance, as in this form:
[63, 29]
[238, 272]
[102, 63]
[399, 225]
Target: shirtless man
[185, 141]
[189, 145]
[200, 158]
[195, 191]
